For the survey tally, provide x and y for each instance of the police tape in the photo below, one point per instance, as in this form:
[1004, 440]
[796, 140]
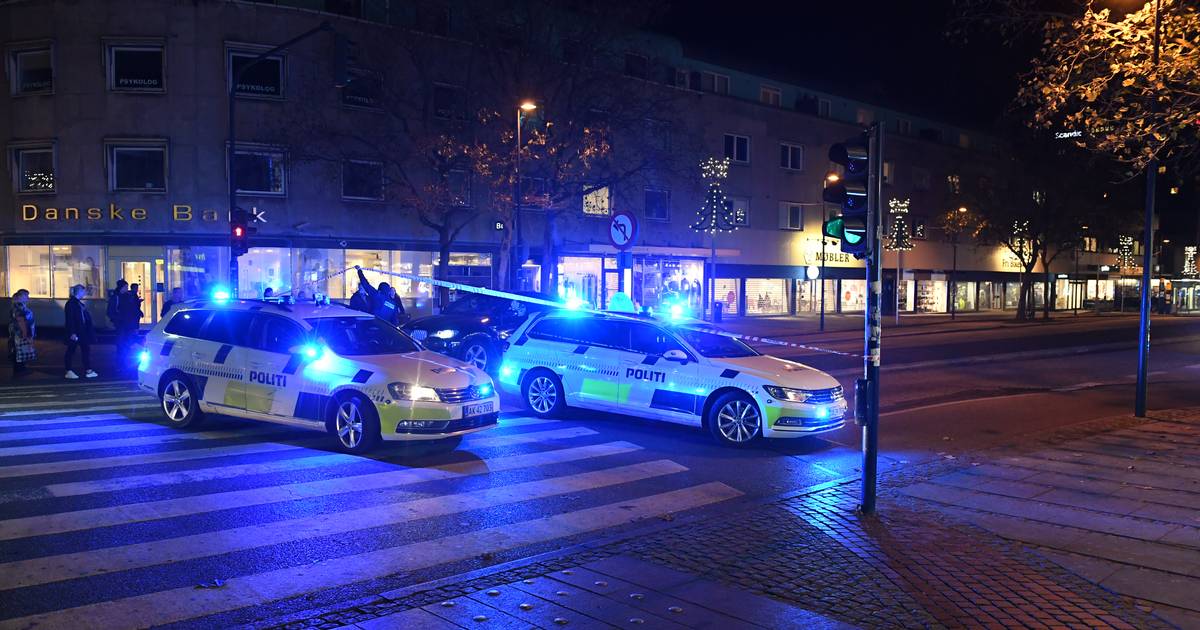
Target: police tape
[459, 286]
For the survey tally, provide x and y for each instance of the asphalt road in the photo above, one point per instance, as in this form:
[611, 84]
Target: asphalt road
[108, 519]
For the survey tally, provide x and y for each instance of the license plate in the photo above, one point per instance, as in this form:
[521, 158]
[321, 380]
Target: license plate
[420, 335]
[477, 409]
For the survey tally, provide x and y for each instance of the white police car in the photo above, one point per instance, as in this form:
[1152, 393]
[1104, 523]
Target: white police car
[324, 367]
[677, 373]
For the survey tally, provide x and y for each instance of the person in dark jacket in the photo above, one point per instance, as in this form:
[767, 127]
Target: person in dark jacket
[129, 314]
[385, 304]
[360, 301]
[80, 333]
[176, 299]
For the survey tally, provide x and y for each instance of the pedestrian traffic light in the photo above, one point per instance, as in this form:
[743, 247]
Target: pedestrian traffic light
[850, 192]
[239, 232]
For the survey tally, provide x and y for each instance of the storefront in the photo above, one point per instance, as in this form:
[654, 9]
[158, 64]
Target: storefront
[1186, 296]
[766, 296]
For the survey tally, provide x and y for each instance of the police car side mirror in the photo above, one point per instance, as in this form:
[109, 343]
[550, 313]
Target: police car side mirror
[675, 354]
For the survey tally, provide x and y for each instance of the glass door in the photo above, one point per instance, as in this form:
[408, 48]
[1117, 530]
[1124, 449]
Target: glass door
[149, 274]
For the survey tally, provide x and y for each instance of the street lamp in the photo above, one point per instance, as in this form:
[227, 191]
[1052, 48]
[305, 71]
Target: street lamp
[1139, 404]
[524, 108]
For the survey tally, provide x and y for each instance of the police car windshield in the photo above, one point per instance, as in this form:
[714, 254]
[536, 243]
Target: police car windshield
[715, 346]
[359, 336]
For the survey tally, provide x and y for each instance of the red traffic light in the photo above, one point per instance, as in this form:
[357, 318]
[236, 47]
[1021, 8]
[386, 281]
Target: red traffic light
[239, 231]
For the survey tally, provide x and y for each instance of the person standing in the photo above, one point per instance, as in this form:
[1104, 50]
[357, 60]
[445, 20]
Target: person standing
[21, 332]
[176, 299]
[80, 333]
[383, 299]
[360, 301]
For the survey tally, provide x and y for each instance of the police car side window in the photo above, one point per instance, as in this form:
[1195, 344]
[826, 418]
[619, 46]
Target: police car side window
[187, 323]
[652, 340]
[557, 329]
[276, 334]
[230, 327]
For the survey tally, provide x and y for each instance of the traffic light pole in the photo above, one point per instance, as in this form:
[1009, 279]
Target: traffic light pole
[872, 324]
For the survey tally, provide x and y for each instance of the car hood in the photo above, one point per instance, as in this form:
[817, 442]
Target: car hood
[420, 368]
[781, 372]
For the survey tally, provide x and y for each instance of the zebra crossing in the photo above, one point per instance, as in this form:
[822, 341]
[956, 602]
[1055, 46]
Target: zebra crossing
[110, 519]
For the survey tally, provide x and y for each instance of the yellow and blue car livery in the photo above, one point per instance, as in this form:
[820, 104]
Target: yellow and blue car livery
[677, 373]
[318, 366]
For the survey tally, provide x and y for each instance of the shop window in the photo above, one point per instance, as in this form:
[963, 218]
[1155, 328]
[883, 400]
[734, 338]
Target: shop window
[791, 156]
[264, 268]
[362, 179]
[448, 102]
[737, 148]
[364, 90]
[260, 170]
[658, 204]
[597, 202]
[33, 167]
[412, 263]
[791, 216]
[852, 295]
[579, 277]
[29, 269]
[369, 260]
[31, 71]
[725, 291]
[137, 167]
[739, 211]
[312, 271]
[76, 264]
[196, 269]
[766, 296]
[136, 68]
[264, 79]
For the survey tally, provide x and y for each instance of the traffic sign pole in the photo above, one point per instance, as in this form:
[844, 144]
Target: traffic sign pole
[872, 324]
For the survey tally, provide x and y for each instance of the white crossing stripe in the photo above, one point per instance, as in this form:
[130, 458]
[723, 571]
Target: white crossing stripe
[46, 524]
[315, 459]
[7, 396]
[34, 434]
[163, 438]
[67, 400]
[135, 406]
[522, 421]
[525, 438]
[70, 386]
[71, 420]
[184, 603]
[89, 563]
[95, 463]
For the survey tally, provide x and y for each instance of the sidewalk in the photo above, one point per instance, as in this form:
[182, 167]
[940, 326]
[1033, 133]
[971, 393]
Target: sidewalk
[49, 364]
[915, 564]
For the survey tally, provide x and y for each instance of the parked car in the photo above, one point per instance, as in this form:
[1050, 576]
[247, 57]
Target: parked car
[473, 328]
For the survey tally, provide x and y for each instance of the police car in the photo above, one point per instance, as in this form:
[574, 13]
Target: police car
[318, 366]
[677, 373]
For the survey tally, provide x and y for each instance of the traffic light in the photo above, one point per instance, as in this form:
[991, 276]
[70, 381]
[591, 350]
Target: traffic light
[239, 232]
[849, 192]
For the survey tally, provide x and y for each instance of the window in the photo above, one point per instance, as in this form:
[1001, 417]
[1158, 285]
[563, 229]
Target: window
[136, 68]
[651, 340]
[592, 331]
[864, 116]
[918, 227]
[889, 172]
[921, 178]
[658, 134]
[737, 148]
[29, 269]
[261, 80]
[1090, 244]
[76, 264]
[596, 203]
[260, 170]
[713, 82]
[791, 216]
[739, 211]
[187, 323]
[658, 204]
[636, 66]
[769, 95]
[448, 102]
[276, 334]
[535, 195]
[791, 156]
[137, 166]
[365, 89]
[904, 126]
[681, 77]
[230, 327]
[33, 167]
[458, 187]
[954, 182]
[362, 179]
[31, 71]
[824, 107]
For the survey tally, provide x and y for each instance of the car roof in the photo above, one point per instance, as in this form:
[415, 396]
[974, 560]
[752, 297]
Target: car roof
[302, 311]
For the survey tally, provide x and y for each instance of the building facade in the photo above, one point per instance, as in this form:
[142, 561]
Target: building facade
[115, 133]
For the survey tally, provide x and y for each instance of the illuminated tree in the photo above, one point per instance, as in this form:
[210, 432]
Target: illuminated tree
[715, 213]
[899, 235]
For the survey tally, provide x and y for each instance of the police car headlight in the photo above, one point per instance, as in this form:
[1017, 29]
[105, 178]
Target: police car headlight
[406, 391]
[446, 333]
[786, 393]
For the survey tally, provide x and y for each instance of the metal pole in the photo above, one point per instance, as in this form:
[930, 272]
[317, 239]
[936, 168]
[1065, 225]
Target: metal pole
[870, 429]
[515, 254]
[1076, 298]
[952, 290]
[899, 279]
[822, 283]
[1139, 404]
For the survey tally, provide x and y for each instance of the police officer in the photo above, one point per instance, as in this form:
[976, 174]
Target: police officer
[385, 304]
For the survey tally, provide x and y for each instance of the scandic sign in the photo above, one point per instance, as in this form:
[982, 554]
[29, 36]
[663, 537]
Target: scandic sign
[179, 212]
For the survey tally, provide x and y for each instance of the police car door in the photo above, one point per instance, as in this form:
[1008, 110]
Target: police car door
[600, 362]
[221, 362]
[272, 381]
[662, 388]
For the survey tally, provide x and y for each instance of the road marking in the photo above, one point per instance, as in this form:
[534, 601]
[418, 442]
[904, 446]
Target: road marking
[6, 395]
[525, 438]
[66, 387]
[48, 468]
[316, 459]
[72, 420]
[956, 402]
[179, 604]
[135, 406]
[1079, 386]
[46, 524]
[1192, 367]
[522, 421]
[89, 563]
[34, 434]
[168, 437]
[72, 400]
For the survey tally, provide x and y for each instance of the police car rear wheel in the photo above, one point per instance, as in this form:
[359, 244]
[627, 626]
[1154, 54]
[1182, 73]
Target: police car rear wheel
[735, 420]
[355, 425]
[544, 394]
[179, 402]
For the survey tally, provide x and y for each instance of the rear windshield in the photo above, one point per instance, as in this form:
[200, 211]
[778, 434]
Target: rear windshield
[360, 336]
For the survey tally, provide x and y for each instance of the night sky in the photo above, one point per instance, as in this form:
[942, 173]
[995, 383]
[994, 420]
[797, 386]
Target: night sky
[890, 52]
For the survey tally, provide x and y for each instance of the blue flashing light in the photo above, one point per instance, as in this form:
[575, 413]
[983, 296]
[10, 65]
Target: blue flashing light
[310, 351]
[822, 412]
[220, 295]
[143, 360]
[485, 389]
[676, 311]
[574, 303]
[506, 370]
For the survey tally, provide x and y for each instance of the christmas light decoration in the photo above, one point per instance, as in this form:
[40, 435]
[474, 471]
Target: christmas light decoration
[716, 213]
[898, 236]
[1125, 258]
[1189, 261]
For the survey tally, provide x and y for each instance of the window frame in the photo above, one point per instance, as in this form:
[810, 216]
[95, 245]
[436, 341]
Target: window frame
[252, 148]
[826, 105]
[791, 148]
[252, 51]
[113, 145]
[257, 338]
[608, 210]
[382, 194]
[13, 65]
[466, 179]
[666, 217]
[111, 47]
[733, 158]
[362, 72]
[733, 201]
[14, 164]
[788, 206]
[716, 78]
[458, 111]
[770, 90]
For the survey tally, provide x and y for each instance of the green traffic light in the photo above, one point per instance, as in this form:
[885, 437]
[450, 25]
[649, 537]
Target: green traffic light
[853, 238]
[835, 228]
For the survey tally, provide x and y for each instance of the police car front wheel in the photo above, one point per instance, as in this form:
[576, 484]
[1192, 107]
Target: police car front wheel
[544, 393]
[735, 419]
[180, 403]
[355, 424]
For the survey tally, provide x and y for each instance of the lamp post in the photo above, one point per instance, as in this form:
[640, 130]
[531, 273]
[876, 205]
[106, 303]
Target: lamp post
[1139, 404]
[514, 273]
